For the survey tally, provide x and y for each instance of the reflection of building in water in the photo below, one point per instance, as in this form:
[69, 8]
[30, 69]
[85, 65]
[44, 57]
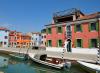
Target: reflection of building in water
[13, 61]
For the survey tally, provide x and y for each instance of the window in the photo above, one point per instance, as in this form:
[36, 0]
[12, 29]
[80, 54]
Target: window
[93, 26]
[49, 30]
[59, 29]
[79, 43]
[42, 36]
[59, 43]
[42, 42]
[49, 43]
[93, 43]
[6, 30]
[6, 37]
[78, 28]
[15, 43]
[15, 38]
[5, 43]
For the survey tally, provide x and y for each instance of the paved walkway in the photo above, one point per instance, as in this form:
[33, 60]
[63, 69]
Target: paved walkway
[70, 56]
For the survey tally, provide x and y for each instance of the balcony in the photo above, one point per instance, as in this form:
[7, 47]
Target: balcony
[68, 34]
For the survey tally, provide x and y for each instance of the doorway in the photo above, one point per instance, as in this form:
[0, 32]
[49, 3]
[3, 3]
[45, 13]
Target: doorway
[69, 46]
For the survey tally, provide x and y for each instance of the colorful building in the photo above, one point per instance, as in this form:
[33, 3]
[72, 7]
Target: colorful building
[74, 27]
[43, 37]
[86, 31]
[25, 41]
[19, 40]
[4, 37]
[35, 38]
[12, 39]
[56, 31]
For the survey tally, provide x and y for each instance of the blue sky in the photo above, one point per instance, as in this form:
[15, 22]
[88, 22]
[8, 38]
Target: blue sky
[32, 15]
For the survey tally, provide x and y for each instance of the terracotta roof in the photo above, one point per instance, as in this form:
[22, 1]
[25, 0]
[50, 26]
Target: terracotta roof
[3, 28]
[94, 15]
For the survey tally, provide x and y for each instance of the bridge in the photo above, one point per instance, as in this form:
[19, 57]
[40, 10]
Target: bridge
[66, 55]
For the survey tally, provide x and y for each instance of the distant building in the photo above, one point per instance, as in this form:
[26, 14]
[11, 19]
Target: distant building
[13, 39]
[35, 38]
[25, 41]
[43, 37]
[4, 37]
[19, 40]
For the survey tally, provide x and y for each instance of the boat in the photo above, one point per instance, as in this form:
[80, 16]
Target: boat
[20, 56]
[89, 67]
[49, 61]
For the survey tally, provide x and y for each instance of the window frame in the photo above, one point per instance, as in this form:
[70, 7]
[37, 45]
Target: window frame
[75, 28]
[80, 43]
[61, 29]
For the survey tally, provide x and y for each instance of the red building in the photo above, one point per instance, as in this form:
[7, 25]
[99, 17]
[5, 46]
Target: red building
[86, 31]
[78, 29]
[56, 32]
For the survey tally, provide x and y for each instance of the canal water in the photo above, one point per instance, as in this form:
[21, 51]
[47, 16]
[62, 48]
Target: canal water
[18, 66]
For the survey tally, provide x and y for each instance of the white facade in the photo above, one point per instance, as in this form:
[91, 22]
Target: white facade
[35, 39]
[4, 38]
[43, 39]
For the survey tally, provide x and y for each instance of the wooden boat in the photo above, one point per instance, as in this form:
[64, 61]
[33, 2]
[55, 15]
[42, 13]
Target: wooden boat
[89, 67]
[51, 62]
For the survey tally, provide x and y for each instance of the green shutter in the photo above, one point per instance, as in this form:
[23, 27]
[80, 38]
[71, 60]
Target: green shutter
[81, 43]
[97, 26]
[89, 26]
[61, 29]
[74, 27]
[47, 43]
[75, 43]
[90, 43]
[60, 43]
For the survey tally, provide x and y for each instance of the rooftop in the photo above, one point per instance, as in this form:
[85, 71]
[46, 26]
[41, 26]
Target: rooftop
[3, 28]
[66, 12]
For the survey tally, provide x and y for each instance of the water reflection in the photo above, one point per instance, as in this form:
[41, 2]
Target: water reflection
[3, 61]
[19, 66]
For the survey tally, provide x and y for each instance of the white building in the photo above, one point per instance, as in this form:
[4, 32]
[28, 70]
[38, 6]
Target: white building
[43, 39]
[4, 37]
[35, 38]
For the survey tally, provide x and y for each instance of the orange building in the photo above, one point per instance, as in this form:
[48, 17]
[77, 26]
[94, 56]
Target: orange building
[25, 41]
[19, 40]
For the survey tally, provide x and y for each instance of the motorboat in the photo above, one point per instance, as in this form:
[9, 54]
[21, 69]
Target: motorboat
[49, 61]
[90, 67]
